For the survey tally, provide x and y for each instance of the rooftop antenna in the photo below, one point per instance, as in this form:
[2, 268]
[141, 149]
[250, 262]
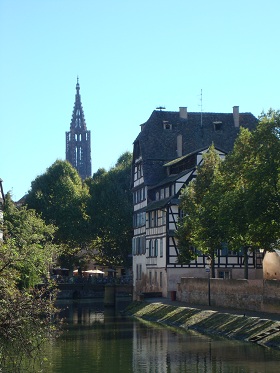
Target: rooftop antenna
[201, 108]
[160, 108]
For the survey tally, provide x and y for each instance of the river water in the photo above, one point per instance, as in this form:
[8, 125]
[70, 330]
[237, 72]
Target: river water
[98, 340]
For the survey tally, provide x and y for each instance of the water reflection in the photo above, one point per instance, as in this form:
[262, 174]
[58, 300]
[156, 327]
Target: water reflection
[101, 340]
[157, 349]
[82, 312]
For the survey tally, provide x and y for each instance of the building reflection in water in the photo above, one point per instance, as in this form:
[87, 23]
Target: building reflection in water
[164, 350]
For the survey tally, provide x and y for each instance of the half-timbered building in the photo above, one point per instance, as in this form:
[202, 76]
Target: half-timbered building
[166, 154]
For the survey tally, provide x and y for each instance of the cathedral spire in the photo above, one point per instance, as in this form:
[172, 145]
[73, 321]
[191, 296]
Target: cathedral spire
[78, 117]
[78, 151]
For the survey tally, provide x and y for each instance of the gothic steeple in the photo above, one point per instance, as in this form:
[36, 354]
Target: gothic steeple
[78, 151]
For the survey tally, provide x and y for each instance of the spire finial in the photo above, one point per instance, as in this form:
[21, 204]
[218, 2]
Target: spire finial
[77, 85]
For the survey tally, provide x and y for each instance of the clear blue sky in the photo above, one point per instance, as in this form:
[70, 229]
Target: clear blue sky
[131, 56]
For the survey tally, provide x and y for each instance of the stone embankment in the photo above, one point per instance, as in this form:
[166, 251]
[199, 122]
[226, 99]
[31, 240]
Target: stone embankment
[256, 329]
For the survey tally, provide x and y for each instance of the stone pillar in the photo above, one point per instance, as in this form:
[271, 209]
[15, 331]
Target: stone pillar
[110, 295]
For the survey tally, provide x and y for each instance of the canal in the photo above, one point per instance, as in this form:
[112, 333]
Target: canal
[102, 340]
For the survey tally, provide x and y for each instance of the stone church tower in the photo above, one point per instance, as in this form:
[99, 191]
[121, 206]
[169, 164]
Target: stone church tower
[78, 150]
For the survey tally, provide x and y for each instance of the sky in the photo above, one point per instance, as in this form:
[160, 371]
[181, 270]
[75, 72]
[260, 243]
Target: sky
[131, 56]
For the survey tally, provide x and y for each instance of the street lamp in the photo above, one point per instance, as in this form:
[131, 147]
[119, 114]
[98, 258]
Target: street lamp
[208, 269]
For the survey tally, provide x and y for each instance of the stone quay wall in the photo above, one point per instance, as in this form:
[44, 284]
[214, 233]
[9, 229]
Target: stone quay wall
[253, 295]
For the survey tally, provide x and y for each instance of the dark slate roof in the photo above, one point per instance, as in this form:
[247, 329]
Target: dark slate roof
[155, 205]
[170, 179]
[178, 160]
[158, 146]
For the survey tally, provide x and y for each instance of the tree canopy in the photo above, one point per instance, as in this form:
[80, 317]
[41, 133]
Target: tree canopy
[237, 201]
[28, 247]
[250, 205]
[61, 198]
[110, 210]
[93, 218]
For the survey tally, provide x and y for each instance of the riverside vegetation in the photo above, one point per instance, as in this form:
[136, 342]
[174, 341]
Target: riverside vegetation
[26, 311]
[60, 217]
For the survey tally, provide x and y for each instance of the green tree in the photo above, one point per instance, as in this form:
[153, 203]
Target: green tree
[61, 197]
[110, 211]
[249, 209]
[29, 246]
[26, 311]
[199, 230]
[263, 176]
[234, 216]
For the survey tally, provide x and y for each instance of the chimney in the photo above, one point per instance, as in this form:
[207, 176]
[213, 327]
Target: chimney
[236, 116]
[179, 146]
[183, 112]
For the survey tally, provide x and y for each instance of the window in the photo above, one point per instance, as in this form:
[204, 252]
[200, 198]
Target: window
[160, 279]
[167, 125]
[161, 247]
[224, 274]
[139, 245]
[142, 219]
[163, 217]
[153, 219]
[139, 195]
[150, 278]
[143, 245]
[218, 126]
[138, 171]
[139, 219]
[166, 192]
[156, 248]
[150, 248]
[150, 220]
[156, 218]
[224, 251]
[153, 248]
[180, 213]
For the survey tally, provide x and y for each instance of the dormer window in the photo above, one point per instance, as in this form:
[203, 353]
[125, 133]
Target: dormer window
[167, 125]
[218, 126]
